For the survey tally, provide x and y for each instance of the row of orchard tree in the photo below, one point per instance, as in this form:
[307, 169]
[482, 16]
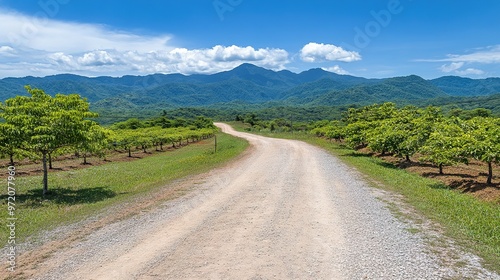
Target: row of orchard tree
[40, 126]
[157, 137]
[440, 140]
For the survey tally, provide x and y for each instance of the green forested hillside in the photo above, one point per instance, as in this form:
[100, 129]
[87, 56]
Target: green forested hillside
[393, 89]
[459, 86]
[249, 88]
[490, 102]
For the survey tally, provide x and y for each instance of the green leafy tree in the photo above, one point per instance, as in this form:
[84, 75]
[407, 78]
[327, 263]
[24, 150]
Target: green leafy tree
[336, 131]
[202, 122]
[125, 139]
[446, 145]
[361, 122]
[483, 142]
[95, 140]
[387, 136]
[132, 123]
[251, 119]
[12, 140]
[49, 123]
[405, 132]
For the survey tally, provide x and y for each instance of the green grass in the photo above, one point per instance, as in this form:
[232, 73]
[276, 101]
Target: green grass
[473, 223]
[78, 194]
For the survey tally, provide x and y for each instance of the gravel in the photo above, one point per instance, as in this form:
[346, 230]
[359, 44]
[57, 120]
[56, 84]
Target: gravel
[287, 210]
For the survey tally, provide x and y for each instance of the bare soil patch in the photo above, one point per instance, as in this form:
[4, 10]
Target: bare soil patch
[469, 179]
[27, 167]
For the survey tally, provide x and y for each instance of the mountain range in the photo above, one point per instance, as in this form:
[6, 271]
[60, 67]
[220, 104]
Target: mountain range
[248, 84]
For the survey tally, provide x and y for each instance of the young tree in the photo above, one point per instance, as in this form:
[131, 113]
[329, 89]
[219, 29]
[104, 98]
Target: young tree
[386, 137]
[94, 142]
[446, 145]
[405, 132]
[48, 123]
[145, 140]
[361, 122]
[126, 139]
[11, 141]
[483, 141]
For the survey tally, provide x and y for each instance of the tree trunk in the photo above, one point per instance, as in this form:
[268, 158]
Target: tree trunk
[407, 158]
[50, 161]
[161, 146]
[441, 168]
[144, 149]
[45, 174]
[84, 159]
[129, 152]
[11, 159]
[490, 173]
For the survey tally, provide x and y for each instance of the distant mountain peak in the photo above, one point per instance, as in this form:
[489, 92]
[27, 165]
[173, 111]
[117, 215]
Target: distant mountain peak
[249, 83]
[247, 66]
[251, 69]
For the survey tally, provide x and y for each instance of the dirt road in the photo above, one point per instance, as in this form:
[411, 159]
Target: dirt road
[286, 210]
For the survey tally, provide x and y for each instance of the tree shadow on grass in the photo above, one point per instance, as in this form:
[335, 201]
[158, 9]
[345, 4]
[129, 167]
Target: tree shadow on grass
[437, 175]
[387, 165]
[465, 185]
[407, 164]
[470, 186]
[439, 186]
[63, 196]
[357, 154]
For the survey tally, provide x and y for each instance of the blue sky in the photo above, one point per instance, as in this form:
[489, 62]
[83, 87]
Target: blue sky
[380, 38]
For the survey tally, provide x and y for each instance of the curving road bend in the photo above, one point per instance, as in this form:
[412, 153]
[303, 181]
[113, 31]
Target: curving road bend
[285, 210]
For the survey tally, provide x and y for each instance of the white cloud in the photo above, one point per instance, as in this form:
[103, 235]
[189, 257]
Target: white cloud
[49, 35]
[451, 67]
[454, 68]
[47, 46]
[485, 56]
[98, 58]
[7, 51]
[62, 59]
[488, 55]
[336, 69]
[314, 52]
[219, 58]
[470, 71]
[178, 60]
[481, 56]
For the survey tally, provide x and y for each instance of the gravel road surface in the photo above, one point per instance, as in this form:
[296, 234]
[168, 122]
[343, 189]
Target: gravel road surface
[284, 210]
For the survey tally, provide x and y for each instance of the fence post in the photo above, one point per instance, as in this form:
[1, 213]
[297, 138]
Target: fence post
[215, 144]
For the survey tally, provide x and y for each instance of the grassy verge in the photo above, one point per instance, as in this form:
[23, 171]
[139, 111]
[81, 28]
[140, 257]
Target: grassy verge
[473, 223]
[80, 193]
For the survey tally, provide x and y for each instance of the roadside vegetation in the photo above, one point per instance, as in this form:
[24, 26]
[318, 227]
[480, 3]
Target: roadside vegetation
[81, 193]
[414, 135]
[392, 146]
[40, 127]
[93, 167]
[445, 164]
